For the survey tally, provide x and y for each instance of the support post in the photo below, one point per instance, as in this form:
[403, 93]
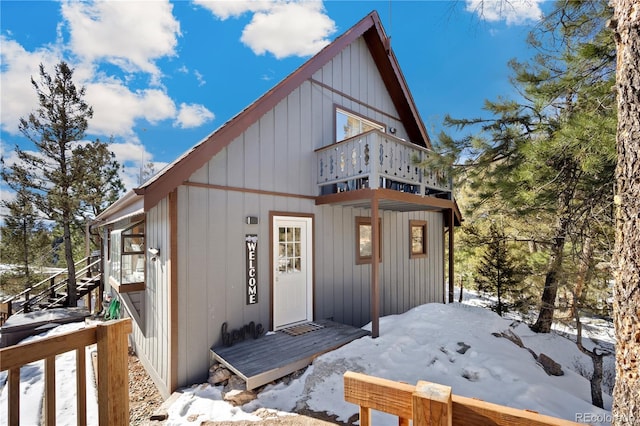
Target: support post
[432, 405]
[452, 219]
[113, 370]
[375, 268]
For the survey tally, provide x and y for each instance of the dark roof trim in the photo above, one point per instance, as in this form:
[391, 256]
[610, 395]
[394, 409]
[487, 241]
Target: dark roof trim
[179, 171]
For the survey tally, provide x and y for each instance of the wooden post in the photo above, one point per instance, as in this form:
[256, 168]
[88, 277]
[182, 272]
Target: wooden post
[52, 282]
[452, 219]
[113, 386]
[375, 255]
[14, 396]
[81, 386]
[50, 390]
[432, 405]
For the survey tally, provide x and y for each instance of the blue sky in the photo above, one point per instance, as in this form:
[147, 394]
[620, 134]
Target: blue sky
[163, 75]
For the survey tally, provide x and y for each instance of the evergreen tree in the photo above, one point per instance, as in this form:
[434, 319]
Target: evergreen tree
[20, 229]
[552, 154]
[62, 176]
[96, 178]
[497, 273]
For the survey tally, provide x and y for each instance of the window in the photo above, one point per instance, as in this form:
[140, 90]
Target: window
[127, 254]
[418, 238]
[349, 124]
[364, 246]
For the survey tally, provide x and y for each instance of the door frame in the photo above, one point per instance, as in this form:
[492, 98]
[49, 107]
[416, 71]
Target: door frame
[311, 285]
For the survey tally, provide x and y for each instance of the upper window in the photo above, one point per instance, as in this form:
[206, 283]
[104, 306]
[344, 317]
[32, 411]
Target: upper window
[349, 124]
[418, 238]
[364, 246]
[127, 249]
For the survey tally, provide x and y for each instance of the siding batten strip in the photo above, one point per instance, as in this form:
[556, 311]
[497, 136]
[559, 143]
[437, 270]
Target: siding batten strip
[173, 291]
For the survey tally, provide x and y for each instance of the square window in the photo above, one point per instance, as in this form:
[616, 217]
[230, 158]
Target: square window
[418, 238]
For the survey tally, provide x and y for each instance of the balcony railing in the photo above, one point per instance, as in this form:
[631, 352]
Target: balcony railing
[378, 160]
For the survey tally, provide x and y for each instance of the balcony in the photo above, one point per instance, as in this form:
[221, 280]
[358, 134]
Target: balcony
[378, 160]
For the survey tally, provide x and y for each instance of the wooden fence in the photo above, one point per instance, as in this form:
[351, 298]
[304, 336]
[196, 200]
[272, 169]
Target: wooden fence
[113, 371]
[433, 404]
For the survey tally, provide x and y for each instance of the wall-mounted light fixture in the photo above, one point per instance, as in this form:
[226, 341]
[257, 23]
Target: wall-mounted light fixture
[252, 220]
[155, 252]
[392, 130]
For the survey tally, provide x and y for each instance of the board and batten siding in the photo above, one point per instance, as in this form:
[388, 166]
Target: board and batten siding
[343, 289]
[151, 331]
[275, 154]
[212, 268]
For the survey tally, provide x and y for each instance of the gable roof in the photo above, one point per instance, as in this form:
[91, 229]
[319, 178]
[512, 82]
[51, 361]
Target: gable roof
[370, 27]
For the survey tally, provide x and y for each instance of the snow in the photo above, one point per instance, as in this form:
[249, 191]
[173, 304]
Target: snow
[32, 386]
[422, 344]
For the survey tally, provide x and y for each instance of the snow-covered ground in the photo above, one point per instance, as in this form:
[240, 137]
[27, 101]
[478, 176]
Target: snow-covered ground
[421, 344]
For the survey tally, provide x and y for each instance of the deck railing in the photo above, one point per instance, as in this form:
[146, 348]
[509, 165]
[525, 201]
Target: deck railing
[378, 160]
[433, 404]
[47, 288]
[112, 377]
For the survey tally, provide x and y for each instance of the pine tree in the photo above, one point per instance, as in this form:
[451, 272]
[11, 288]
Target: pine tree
[551, 155]
[498, 273]
[20, 225]
[64, 175]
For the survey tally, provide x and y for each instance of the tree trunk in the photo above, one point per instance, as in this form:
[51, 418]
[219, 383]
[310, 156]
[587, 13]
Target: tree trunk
[596, 380]
[626, 316]
[548, 305]
[72, 298]
[584, 271]
[25, 242]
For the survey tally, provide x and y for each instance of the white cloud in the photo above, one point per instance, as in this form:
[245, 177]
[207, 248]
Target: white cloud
[283, 28]
[18, 66]
[514, 12]
[116, 108]
[131, 155]
[224, 9]
[130, 34]
[192, 115]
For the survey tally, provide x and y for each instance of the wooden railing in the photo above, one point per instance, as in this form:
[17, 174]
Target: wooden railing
[48, 288]
[433, 404]
[378, 160]
[112, 377]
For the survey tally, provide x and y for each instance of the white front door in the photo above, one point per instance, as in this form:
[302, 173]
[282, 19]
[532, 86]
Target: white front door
[292, 276]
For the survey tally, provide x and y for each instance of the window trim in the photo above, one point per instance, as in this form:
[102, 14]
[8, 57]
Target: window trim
[338, 108]
[116, 282]
[422, 224]
[366, 220]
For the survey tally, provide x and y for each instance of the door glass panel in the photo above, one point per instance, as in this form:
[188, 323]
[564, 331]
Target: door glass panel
[289, 250]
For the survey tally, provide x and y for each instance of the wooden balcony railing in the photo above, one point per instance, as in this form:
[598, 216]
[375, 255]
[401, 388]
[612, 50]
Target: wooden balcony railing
[434, 405]
[112, 377]
[378, 160]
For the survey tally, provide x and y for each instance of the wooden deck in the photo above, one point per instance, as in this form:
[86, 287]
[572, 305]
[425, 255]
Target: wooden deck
[270, 357]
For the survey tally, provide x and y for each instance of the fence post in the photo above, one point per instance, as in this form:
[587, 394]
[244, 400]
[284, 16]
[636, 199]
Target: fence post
[432, 405]
[113, 372]
[52, 292]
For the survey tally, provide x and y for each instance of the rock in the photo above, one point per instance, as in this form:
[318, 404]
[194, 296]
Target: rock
[218, 376]
[235, 383]
[463, 348]
[239, 397]
[550, 367]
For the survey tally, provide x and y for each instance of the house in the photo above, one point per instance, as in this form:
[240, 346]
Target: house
[269, 219]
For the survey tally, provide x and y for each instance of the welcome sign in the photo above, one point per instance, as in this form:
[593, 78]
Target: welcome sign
[251, 242]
